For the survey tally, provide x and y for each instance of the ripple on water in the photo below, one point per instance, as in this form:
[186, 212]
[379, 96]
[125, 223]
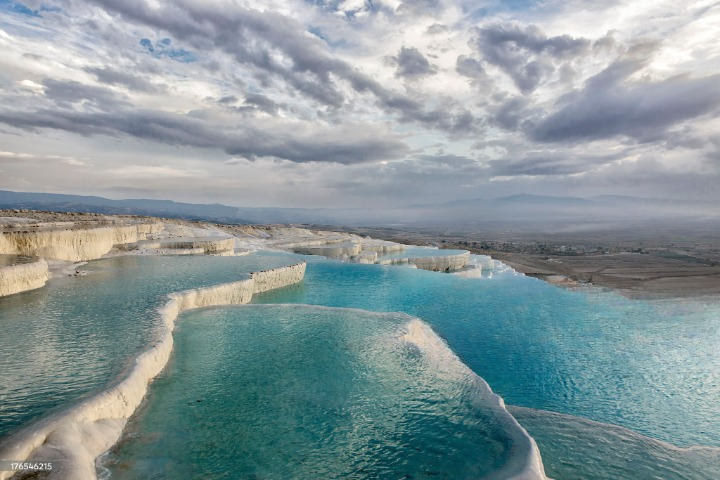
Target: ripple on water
[309, 392]
[574, 448]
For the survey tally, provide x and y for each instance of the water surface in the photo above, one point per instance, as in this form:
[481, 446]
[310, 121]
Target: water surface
[62, 342]
[278, 392]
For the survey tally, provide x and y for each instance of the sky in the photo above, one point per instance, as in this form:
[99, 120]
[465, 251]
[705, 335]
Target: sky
[351, 103]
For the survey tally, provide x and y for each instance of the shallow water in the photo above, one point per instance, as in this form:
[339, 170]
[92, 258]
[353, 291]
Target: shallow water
[64, 341]
[650, 366]
[302, 392]
[577, 448]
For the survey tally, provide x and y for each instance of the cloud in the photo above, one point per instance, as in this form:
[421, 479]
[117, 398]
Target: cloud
[548, 163]
[611, 104]
[112, 76]
[525, 53]
[419, 7]
[251, 38]
[261, 102]
[274, 45]
[66, 93]
[150, 171]
[412, 64]
[345, 145]
[436, 29]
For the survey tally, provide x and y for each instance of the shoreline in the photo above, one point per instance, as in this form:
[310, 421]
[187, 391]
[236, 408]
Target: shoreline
[666, 268]
[632, 275]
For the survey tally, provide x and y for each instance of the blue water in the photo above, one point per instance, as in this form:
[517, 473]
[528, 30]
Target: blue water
[651, 366]
[574, 448]
[280, 392]
[64, 341]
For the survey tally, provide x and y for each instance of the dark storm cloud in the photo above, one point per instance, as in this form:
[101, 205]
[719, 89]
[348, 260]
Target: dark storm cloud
[346, 146]
[611, 105]
[526, 54]
[111, 76]
[412, 64]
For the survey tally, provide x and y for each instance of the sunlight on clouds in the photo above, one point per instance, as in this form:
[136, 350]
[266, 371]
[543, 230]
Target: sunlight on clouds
[146, 171]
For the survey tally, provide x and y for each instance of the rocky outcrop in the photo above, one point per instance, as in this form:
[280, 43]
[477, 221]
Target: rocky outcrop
[70, 241]
[446, 263]
[206, 245]
[277, 277]
[73, 439]
[23, 277]
[330, 251]
[360, 251]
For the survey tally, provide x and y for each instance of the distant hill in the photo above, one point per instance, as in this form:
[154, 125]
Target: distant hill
[515, 212]
[160, 208]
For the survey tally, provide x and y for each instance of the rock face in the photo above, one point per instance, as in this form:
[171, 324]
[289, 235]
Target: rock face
[368, 250]
[277, 277]
[441, 264]
[69, 241]
[208, 245]
[361, 251]
[73, 439]
[23, 277]
[330, 251]
[446, 263]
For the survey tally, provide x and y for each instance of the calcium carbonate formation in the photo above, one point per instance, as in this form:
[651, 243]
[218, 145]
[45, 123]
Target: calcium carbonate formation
[71, 241]
[22, 277]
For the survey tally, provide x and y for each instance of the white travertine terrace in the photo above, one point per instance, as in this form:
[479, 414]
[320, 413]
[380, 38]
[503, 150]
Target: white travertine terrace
[354, 251]
[361, 250]
[70, 241]
[207, 245]
[23, 277]
[445, 263]
[73, 439]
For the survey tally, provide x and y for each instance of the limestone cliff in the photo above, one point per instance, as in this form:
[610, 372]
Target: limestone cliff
[22, 277]
[69, 241]
[207, 245]
[446, 263]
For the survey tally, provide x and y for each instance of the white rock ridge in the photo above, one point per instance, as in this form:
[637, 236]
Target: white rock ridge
[358, 250]
[70, 241]
[23, 277]
[73, 439]
[445, 263]
[202, 245]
